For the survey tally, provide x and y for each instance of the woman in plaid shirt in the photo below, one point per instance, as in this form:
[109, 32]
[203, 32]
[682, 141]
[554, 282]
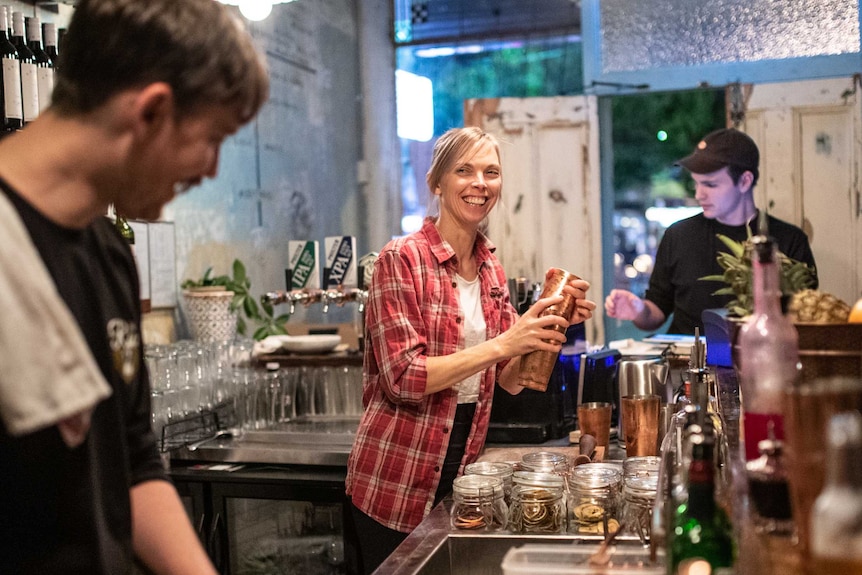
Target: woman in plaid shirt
[440, 332]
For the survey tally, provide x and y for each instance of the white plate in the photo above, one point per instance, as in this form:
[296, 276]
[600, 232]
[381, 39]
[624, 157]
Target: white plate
[322, 343]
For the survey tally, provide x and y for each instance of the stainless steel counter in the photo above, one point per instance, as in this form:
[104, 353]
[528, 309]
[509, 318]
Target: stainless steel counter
[324, 441]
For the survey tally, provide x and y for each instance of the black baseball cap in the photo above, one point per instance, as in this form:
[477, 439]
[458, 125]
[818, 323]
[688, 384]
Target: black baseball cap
[725, 147]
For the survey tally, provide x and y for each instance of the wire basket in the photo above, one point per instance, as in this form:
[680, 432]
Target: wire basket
[198, 427]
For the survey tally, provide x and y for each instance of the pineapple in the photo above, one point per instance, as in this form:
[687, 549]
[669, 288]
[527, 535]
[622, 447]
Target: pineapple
[813, 306]
[794, 275]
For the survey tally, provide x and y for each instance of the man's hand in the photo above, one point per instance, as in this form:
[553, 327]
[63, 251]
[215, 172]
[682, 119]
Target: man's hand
[622, 304]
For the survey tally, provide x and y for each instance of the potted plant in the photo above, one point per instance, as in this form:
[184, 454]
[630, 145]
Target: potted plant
[214, 303]
[795, 276]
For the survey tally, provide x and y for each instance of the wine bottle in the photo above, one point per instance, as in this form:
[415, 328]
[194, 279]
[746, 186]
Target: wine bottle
[836, 531]
[49, 35]
[13, 113]
[44, 66]
[769, 352]
[29, 81]
[702, 537]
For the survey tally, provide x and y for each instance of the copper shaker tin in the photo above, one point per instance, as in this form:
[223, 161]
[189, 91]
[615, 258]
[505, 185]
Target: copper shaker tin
[536, 366]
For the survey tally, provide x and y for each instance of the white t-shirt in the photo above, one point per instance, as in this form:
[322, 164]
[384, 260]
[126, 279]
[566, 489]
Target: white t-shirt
[474, 333]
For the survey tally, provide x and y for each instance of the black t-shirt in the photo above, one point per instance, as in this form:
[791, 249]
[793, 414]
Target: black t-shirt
[62, 510]
[687, 252]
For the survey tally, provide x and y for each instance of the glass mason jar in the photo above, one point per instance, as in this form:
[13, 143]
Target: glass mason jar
[546, 462]
[478, 503]
[640, 485]
[594, 497]
[538, 505]
[638, 500]
[499, 469]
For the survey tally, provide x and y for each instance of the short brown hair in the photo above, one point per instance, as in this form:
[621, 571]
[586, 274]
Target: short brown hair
[197, 47]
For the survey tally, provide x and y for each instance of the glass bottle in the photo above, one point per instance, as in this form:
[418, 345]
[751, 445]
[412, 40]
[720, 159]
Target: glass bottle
[478, 503]
[29, 79]
[768, 489]
[125, 230]
[769, 354]
[49, 34]
[836, 520]
[538, 505]
[44, 66]
[10, 87]
[702, 533]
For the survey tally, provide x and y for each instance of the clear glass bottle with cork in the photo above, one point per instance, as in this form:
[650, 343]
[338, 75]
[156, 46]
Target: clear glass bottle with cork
[769, 351]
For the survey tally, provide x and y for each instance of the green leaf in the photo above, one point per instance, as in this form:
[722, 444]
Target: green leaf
[736, 248]
[239, 273]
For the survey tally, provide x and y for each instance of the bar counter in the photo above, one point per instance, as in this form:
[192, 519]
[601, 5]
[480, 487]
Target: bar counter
[434, 547]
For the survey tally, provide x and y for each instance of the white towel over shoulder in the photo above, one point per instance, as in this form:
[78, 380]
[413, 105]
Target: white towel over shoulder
[48, 375]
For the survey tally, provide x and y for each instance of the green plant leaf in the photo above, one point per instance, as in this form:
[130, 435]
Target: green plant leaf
[239, 273]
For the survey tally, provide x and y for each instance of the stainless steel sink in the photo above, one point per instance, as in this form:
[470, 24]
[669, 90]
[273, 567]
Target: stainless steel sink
[476, 555]
[434, 548]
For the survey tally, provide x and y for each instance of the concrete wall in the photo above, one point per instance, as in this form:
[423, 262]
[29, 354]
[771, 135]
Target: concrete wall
[296, 171]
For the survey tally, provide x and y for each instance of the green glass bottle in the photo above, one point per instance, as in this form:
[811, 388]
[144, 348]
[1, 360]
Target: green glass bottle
[702, 534]
[125, 229]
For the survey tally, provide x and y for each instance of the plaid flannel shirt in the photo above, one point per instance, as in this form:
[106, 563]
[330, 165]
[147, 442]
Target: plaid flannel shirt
[413, 313]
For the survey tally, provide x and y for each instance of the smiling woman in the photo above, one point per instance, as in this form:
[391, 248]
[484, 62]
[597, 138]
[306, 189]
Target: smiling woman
[441, 334]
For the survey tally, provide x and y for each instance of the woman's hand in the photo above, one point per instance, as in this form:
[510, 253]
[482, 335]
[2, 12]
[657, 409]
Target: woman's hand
[535, 331]
[583, 307]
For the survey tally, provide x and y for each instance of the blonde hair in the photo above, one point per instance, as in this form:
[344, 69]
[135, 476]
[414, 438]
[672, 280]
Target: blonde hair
[454, 146]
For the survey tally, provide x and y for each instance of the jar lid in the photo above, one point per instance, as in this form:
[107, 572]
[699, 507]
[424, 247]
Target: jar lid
[478, 486]
[538, 479]
[544, 456]
[494, 468]
[641, 465]
[545, 461]
[641, 485]
[596, 475]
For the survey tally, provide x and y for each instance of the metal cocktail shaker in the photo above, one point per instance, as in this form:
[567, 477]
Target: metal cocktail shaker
[536, 366]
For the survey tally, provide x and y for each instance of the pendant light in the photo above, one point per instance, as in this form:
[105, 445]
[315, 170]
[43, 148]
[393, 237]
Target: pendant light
[255, 10]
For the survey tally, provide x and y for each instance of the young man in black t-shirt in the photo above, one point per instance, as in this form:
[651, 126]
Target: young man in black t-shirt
[146, 92]
[724, 166]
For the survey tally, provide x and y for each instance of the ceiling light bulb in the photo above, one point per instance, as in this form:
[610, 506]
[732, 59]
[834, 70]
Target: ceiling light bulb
[255, 9]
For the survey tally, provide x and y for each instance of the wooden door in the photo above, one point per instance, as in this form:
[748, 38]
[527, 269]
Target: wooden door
[810, 143]
[550, 213]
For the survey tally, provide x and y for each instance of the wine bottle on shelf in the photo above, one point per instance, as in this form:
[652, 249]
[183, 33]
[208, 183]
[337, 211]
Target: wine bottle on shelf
[702, 536]
[49, 36]
[29, 81]
[44, 66]
[13, 113]
[769, 352]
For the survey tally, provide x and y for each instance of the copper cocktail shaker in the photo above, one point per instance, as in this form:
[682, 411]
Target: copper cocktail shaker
[536, 366]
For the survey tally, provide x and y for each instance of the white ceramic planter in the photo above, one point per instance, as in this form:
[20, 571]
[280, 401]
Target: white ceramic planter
[209, 314]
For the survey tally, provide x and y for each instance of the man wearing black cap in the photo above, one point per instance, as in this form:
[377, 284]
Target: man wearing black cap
[724, 166]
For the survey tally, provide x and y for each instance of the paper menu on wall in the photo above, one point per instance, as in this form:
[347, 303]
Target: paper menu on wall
[142, 255]
[163, 265]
